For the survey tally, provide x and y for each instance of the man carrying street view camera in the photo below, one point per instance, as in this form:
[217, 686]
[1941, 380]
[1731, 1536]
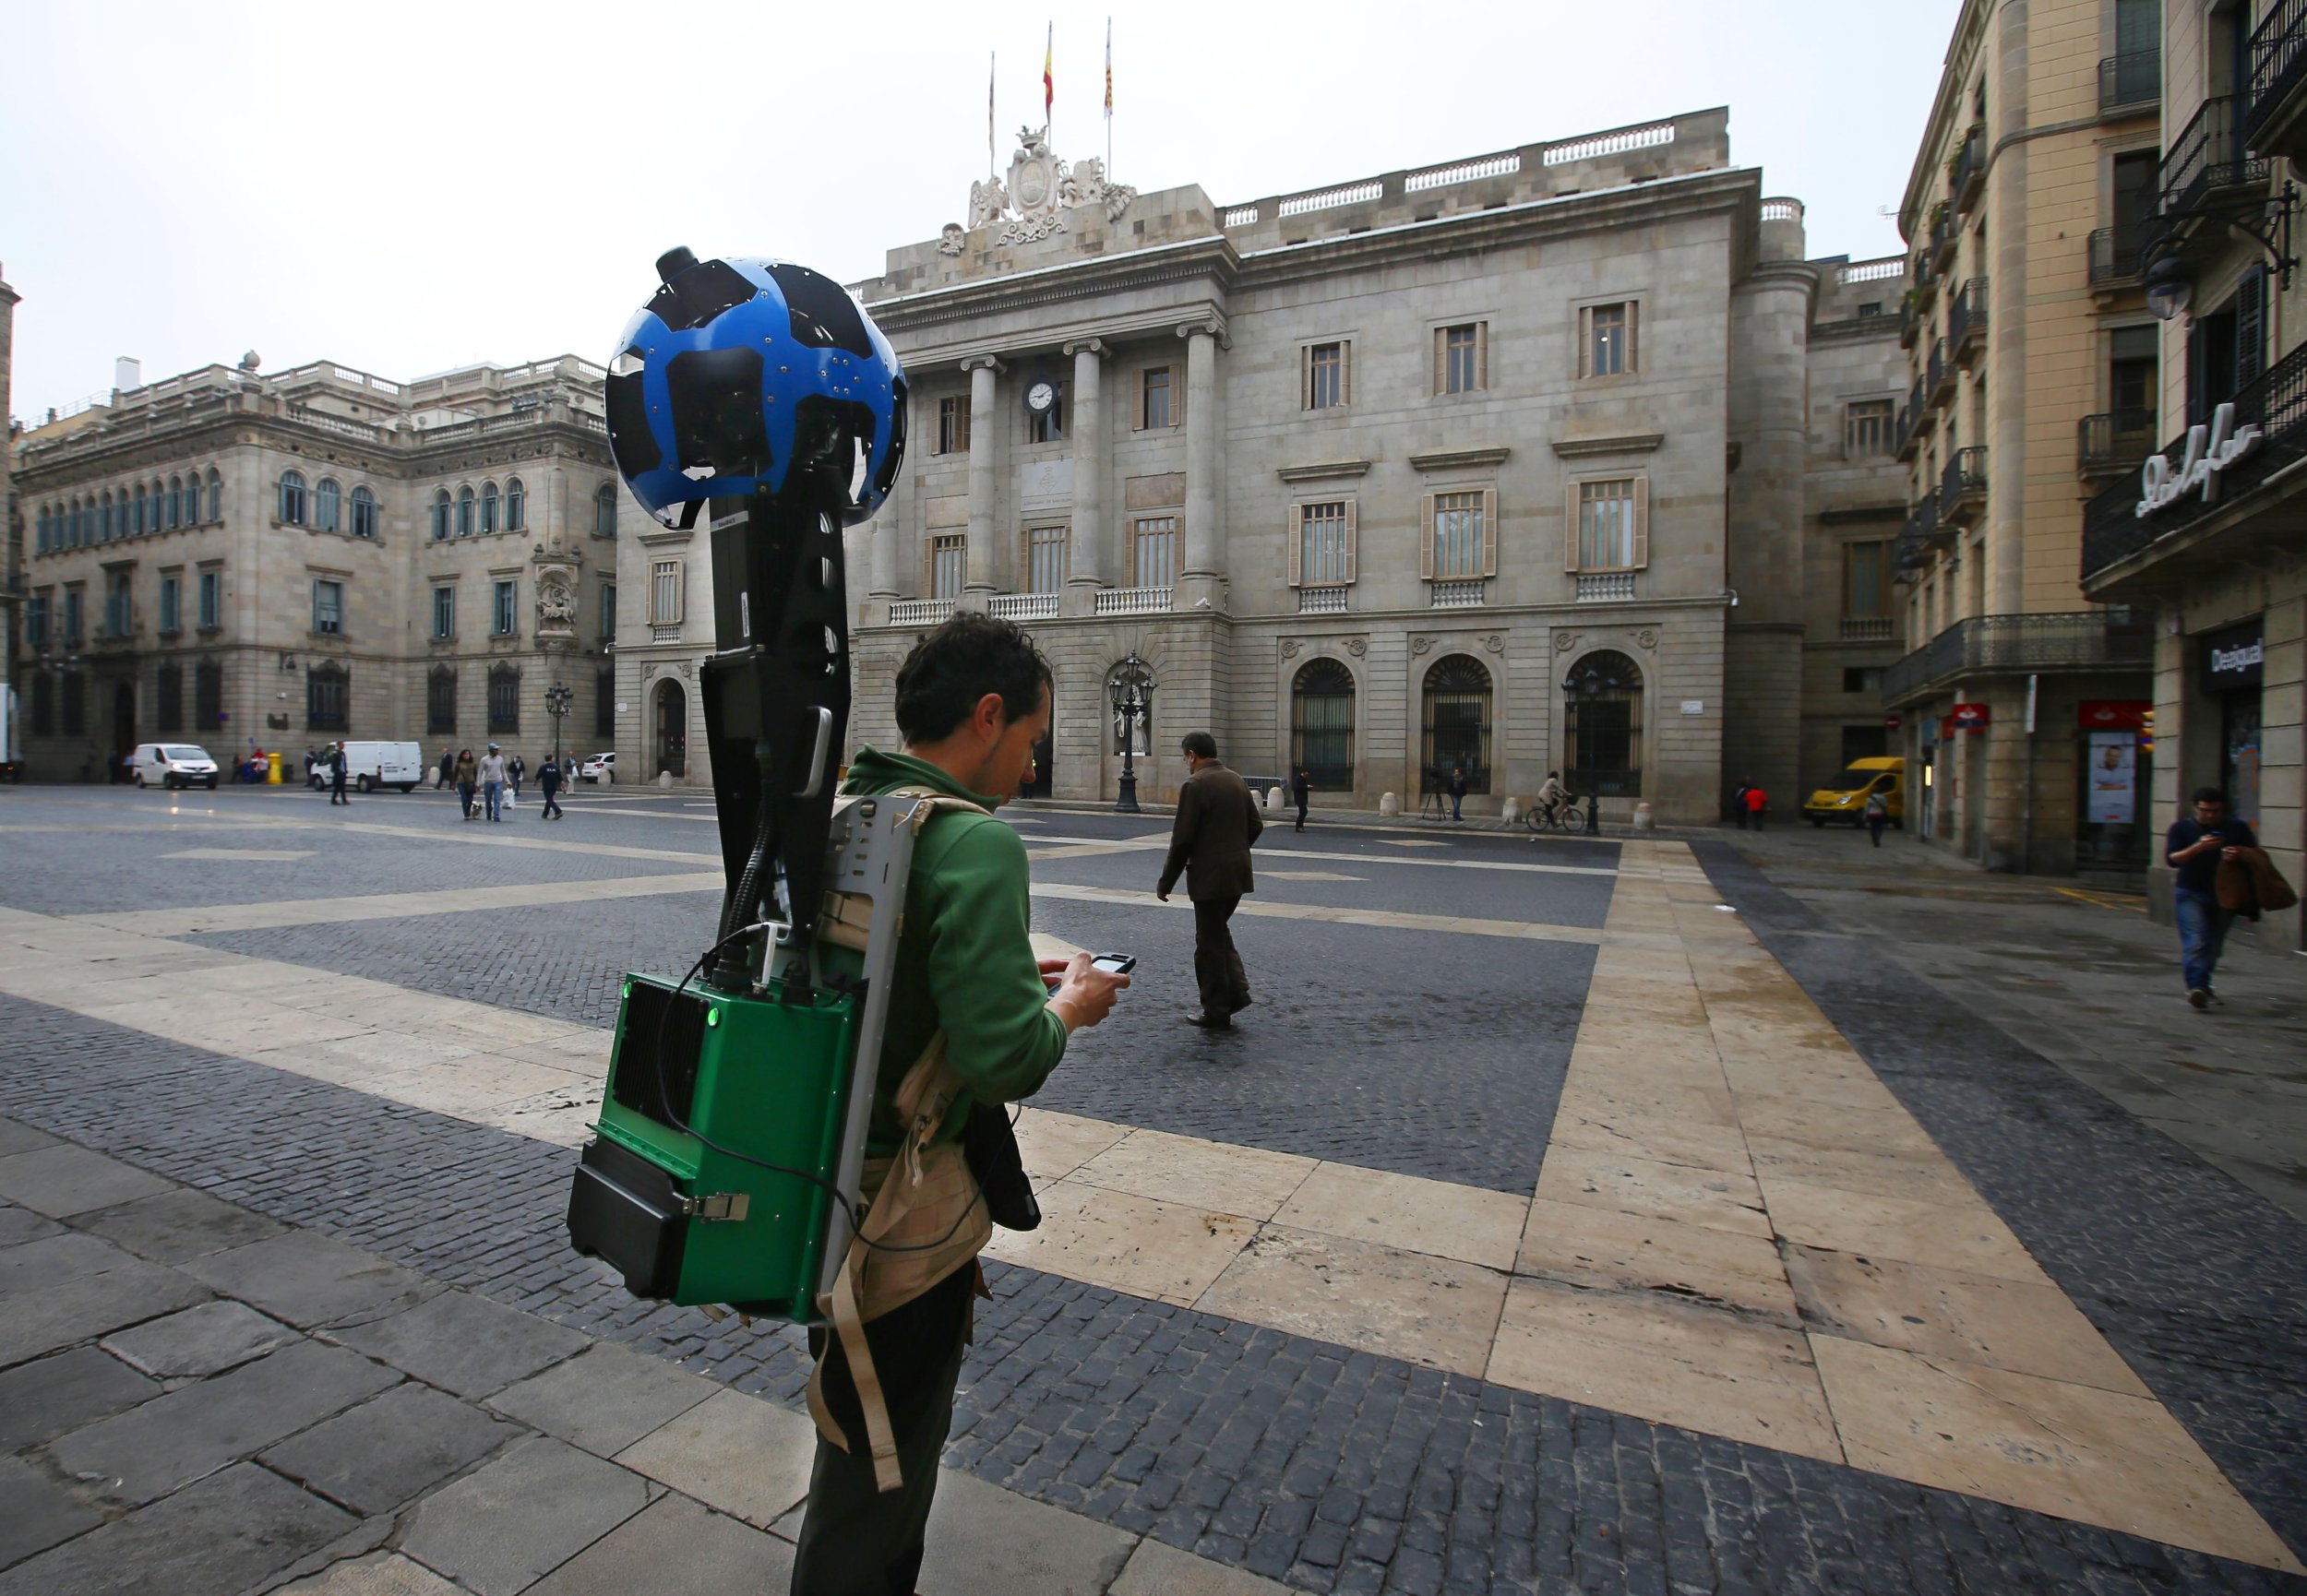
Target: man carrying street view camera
[973, 699]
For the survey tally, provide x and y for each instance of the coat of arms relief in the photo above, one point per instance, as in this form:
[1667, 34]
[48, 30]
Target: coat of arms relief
[1041, 188]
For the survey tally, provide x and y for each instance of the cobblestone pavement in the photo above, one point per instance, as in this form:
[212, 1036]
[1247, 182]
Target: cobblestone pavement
[1301, 1457]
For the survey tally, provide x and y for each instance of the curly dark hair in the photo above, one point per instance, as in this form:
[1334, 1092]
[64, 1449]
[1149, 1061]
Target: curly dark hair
[970, 655]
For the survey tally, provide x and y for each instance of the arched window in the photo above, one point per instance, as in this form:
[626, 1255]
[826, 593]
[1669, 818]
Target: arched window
[72, 525]
[465, 512]
[105, 520]
[1457, 723]
[363, 513]
[1321, 725]
[216, 494]
[328, 501]
[516, 507]
[440, 699]
[1603, 724]
[488, 507]
[504, 699]
[605, 510]
[159, 503]
[292, 498]
[176, 503]
[144, 509]
[440, 515]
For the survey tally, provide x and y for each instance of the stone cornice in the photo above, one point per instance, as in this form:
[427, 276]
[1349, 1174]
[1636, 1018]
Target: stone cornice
[1459, 459]
[1324, 470]
[1630, 443]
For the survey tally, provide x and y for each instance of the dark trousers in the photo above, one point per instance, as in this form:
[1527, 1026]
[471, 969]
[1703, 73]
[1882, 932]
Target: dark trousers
[551, 807]
[335, 788]
[1301, 814]
[1741, 816]
[856, 1539]
[1217, 966]
[1874, 827]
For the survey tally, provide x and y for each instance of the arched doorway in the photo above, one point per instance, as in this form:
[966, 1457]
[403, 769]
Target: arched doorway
[1602, 726]
[124, 728]
[1134, 733]
[1321, 725]
[672, 730]
[1457, 721]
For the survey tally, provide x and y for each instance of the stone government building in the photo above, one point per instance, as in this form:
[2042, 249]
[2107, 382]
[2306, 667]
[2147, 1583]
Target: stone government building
[1363, 476]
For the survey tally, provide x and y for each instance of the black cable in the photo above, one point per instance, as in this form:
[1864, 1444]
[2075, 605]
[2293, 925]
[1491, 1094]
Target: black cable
[841, 1203]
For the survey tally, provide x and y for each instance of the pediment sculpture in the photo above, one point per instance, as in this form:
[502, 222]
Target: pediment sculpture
[1032, 204]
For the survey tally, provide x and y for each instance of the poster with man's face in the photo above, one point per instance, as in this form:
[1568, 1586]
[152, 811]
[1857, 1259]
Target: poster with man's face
[2113, 769]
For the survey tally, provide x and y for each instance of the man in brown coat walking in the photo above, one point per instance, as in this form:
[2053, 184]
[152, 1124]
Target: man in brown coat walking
[1217, 821]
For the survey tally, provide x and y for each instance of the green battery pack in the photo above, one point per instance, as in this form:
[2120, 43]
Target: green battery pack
[720, 1143]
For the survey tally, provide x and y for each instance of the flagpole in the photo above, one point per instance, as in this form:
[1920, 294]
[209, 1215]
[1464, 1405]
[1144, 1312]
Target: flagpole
[1109, 99]
[991, 60]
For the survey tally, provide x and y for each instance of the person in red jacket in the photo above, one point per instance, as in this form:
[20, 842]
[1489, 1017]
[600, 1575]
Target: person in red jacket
[1757, 806]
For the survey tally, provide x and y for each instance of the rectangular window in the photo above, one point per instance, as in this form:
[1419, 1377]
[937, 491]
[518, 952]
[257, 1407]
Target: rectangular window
[328, 608]
[444, 613]
[608, 611]
[211, 600]
[2131, 369]
[1326, 376]
[1866, 581]
[1607, 531]
[119, 611]
[506, 609]
[171, 606]
[1155, 557]
[954, 425]
[73, 600]
[1462, 357]
[1156, 387]
[949, 556]
[1460, 539]
[1606, 343]
[36, 619]
[664, 593]
[1322, 546]
[1865, 428]
[1044, 559]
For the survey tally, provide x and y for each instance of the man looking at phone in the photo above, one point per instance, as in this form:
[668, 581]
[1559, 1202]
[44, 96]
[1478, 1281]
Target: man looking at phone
[973, 699]
[1209, 845]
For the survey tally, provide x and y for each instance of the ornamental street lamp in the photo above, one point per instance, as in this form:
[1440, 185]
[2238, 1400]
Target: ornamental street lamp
[556, 701]
[1132, 688]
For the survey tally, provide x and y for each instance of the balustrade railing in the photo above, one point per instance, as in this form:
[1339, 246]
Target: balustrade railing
[919, 612]
[1134, 601]
[1865, 628]
[1458, 595]
[1599, 586]
[1024, 606]
[1322, 601]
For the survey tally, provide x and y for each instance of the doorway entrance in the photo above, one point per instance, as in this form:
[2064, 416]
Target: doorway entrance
[124, 730]
[673, 729]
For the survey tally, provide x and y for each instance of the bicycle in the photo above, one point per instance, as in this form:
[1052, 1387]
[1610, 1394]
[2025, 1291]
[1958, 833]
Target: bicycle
[1563, 818]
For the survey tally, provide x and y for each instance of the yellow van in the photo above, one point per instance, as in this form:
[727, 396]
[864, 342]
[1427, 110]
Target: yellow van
[1847, 799]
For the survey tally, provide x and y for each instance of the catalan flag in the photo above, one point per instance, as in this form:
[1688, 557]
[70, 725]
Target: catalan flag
[1109, 69]
[1048, 84]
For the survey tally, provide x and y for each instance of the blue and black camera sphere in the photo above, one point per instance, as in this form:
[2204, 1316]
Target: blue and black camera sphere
[737, 370]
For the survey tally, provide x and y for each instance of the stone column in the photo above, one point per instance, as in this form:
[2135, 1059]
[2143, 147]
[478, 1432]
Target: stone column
[1089, 465]
[978, 579]
[1205, 553]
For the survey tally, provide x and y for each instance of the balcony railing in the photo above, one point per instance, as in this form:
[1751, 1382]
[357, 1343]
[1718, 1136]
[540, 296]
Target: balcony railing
[2114, 441]
[1966, 320]
[1133, 601]
[1322, 601]
[1598, 585]
[1024, 606]
[1910, 324]
[2114, 255]
[1926, 281]
[2206, 156]
[2279, 62]
[1912, 552]
[1459, 595]
[1939, 384]
[2103, 639]
[2130, 82]
[919, 612]
[1963, 486]
[1943, 235]
[1968, 169]
[1865, 628]
[2274, 402]
[1906, 440]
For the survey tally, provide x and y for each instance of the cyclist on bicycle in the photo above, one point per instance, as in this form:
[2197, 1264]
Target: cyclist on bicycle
[1552, 796]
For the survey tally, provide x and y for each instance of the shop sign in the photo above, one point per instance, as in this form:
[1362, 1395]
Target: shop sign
[2112, 714]
[2235, 658]
[1969, 718]
[2113, 770]
[2210, 450]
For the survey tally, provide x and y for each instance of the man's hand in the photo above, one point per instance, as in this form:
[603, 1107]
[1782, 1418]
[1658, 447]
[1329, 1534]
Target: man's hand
[1085, 993]
[2228, 852]
[1162, 893]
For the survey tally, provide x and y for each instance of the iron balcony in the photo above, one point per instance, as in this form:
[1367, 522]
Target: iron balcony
[2277, 121]
[1963, 487]
[2133, 81]
[2068, 642]
[2114, 441]
[1940, 384]
[2208, 159]
[1967, 171]
[1967, 321]
[2114, 255]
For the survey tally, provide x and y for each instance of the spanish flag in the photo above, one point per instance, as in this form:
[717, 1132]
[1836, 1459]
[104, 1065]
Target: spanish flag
[1048, 85]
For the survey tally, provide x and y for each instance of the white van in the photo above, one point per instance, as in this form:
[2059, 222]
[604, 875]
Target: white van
[369, 765]
[171, 765]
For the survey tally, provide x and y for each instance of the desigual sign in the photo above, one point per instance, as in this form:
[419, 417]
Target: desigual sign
[2235, 658]
[2210, 450]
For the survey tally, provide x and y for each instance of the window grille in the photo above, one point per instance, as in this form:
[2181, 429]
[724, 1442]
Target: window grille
[1321, 725]
[327, 698]
[441, 700]
[504, 700]
[1457, 724]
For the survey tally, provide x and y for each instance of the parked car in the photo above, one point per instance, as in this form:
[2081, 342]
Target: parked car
[371, 766]
[601, 768]
[171, 765]
[1846, 799]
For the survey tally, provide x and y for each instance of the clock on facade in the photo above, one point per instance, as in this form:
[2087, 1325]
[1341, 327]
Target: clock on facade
[1041, 396]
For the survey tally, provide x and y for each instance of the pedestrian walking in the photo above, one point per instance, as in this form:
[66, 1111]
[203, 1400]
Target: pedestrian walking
[337, 763]
[1209, 844]
[971, 1006]
[2194, 847]
[1877, 814]
[448, 769]
[492, 781]
[468, 775]
[1757, 806]
[1457, 791]
[549, 783]
[1737, 803]
[1302, 786]
[514, 770]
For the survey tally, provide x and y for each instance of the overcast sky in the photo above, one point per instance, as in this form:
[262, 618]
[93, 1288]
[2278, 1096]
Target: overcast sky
[414, 186]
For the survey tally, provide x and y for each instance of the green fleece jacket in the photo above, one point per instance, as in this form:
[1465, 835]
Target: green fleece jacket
[965, 963]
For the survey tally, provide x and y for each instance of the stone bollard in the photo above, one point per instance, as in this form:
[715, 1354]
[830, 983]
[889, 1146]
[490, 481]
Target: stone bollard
[1273, 799]
[1641, 816]
[1389, 805]
[1510, 815]
[664, 781]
